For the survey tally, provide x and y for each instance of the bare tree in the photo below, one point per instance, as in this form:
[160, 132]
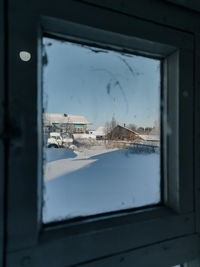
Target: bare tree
[156, 128]
[141, 130]
[109, 126]
[132, 126]
[148, 130]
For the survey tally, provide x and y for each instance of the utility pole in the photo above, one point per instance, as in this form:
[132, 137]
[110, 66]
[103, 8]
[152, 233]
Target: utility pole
[114, 106]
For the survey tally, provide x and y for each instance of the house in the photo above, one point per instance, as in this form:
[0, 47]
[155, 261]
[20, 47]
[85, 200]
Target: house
[123, 133]
[58, 122]
[100, 133]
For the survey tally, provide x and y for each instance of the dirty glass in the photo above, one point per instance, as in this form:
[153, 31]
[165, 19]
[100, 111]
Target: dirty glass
[101, 130]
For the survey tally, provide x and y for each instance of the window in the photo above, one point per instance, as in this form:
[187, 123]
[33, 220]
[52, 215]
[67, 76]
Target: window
[168, 230]
[117, 97]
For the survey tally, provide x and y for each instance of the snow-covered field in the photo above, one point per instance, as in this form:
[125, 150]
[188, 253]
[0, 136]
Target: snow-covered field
[96, 180]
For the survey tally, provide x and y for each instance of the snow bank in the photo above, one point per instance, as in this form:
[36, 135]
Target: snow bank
[98, 180]
[54, 154]
[84, 136]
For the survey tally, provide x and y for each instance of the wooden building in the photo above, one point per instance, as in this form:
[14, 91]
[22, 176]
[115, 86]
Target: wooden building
[161, 230]
[123, 133]
[57, 122]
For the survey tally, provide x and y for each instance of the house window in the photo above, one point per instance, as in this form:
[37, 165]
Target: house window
[116, 96]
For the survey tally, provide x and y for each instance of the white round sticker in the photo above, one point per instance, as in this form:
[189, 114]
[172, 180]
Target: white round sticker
[25, 56]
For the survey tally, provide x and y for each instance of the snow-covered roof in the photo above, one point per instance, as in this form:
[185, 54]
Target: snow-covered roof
[50, 118]
[150, 137]
[128, 129]
[100, 131]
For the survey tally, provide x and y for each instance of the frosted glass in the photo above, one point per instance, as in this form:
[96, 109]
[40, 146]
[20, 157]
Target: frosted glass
[101, 128]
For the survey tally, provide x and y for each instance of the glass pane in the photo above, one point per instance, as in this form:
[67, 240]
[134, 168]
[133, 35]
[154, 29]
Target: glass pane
[101, 126]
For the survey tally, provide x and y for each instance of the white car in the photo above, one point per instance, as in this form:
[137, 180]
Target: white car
[55, 140]
[59, 140]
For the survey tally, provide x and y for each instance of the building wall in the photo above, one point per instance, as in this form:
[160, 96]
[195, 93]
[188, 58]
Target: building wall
[79, 128]
[85, 128]
[121, 133]
[22, 246]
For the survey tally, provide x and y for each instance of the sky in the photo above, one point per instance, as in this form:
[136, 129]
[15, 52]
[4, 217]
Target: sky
[100, 84]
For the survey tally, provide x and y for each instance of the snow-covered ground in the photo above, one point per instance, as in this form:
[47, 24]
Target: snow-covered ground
[96, 180]
[64, 161]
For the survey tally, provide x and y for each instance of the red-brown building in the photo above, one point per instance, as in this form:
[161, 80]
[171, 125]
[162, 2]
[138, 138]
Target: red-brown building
[123, 133]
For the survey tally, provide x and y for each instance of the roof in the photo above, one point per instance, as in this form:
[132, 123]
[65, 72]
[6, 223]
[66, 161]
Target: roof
[150, 137]
[50, 118]
[127, 129]
[100, 131]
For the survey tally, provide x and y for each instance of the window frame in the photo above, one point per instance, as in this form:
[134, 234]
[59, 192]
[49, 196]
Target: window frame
[134, 229]
[3, 139]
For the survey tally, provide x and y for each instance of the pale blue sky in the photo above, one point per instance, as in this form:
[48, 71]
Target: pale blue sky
[79, 81]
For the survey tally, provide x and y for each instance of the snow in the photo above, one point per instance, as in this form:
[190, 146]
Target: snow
[96, 180]
[101, 131]
[84, 136]
[55, 154]
[50, 118]
[150, 137]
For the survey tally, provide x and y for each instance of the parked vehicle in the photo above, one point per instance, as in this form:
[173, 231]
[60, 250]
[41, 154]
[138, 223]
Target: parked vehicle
[59, 140]
[55, 140]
